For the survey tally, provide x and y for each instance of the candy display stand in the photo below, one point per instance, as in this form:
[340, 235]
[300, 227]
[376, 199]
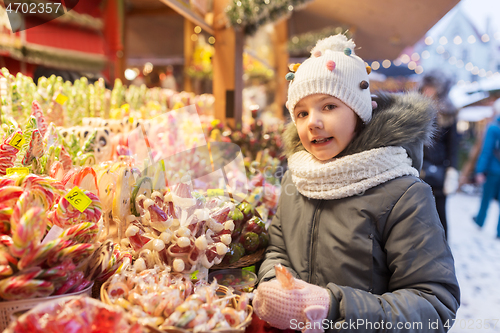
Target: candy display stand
[9, 308]
[222, 291]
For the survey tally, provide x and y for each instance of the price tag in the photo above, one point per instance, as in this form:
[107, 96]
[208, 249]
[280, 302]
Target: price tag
[249, 268]
[17, 141]
[61, 99]
[215, 192]
[78, 199]
[19, 170]
[194, 275]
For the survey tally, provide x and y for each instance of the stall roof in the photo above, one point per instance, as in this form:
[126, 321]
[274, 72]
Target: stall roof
[382, 28]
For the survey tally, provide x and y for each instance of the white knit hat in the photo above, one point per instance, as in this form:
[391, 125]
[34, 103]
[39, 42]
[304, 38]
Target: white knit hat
[335, 70]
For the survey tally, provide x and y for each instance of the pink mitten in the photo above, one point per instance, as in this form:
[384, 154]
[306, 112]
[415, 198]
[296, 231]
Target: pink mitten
[305, 307]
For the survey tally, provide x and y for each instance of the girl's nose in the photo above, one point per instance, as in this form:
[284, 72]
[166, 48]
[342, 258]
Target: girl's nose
[315, 120]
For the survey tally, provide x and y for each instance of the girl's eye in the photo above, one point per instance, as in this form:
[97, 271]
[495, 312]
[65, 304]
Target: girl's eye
[301, 114]
[330, 107]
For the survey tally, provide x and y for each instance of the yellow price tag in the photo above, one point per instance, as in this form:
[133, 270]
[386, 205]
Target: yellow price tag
[249, 268]
[194, 275]
[130, 120]
[215, 192]
[78, 199]
[17, 141]
[61, 99]
[19, 170]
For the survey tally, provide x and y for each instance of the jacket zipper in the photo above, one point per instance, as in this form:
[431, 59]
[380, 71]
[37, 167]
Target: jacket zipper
[312, 246]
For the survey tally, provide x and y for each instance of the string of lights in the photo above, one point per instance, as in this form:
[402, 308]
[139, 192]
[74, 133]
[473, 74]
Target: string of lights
[412, 61]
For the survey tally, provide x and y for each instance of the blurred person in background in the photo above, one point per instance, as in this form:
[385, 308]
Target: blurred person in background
[168, 79]
[488, 167]
[439, 168]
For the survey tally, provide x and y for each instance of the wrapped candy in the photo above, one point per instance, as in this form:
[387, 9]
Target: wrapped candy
[74, 314]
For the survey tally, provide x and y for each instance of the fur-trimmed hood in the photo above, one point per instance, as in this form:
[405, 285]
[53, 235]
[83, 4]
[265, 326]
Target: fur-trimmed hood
[406, 120]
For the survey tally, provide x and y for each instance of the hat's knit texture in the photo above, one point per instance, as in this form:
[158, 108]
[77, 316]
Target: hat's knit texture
[349, 175]
[335, 70]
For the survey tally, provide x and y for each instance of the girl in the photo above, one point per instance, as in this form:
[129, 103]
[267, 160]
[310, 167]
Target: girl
[355, 225]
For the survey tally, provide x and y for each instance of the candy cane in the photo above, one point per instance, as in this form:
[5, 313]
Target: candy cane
[8, 154]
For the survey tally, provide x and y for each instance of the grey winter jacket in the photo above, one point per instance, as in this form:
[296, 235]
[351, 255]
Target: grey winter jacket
[382, 255]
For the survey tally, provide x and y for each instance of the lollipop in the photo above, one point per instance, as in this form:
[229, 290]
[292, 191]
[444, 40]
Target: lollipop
[10, 194]
[85, 232]
[20, 208]
[28, 232]
[41, 252]
[8, 153]
[85, 178]
[23, 287]
[120, 260]
[29, 128]
[67, 215]
[5, 215]
[36, 111]
[65, 159]
[44, 189]
[76, 253]
[35, 148]
[57, 170]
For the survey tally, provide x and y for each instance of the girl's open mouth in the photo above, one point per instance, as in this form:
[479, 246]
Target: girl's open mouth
[320, 141]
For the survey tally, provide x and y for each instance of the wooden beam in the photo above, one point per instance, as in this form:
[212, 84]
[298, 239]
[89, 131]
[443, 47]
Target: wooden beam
[188, 53]
[281, 59]
[228, 70]
[185, 11]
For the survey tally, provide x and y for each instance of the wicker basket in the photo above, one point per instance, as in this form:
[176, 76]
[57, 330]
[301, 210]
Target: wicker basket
[221, 291]
[245, 261]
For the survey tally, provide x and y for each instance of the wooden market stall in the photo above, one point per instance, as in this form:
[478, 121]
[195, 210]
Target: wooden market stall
[79, 39]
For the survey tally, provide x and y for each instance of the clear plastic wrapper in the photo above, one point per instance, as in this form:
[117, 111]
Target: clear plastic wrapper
[74, 314]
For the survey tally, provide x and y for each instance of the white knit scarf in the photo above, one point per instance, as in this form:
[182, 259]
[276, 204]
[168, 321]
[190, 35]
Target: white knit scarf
[349, 175]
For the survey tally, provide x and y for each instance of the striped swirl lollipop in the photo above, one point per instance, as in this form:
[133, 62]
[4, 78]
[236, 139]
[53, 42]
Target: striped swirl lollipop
[85, 232]
[8, 154]
[65, 215]
[28, 232]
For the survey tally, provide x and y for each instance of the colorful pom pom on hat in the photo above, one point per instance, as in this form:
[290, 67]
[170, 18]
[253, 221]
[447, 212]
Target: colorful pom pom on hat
[333, 69]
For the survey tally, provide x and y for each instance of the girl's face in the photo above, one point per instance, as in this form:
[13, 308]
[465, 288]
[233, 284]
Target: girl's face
[325, 125]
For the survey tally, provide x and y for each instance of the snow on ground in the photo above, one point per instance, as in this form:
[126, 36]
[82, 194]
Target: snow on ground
[477, 262]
